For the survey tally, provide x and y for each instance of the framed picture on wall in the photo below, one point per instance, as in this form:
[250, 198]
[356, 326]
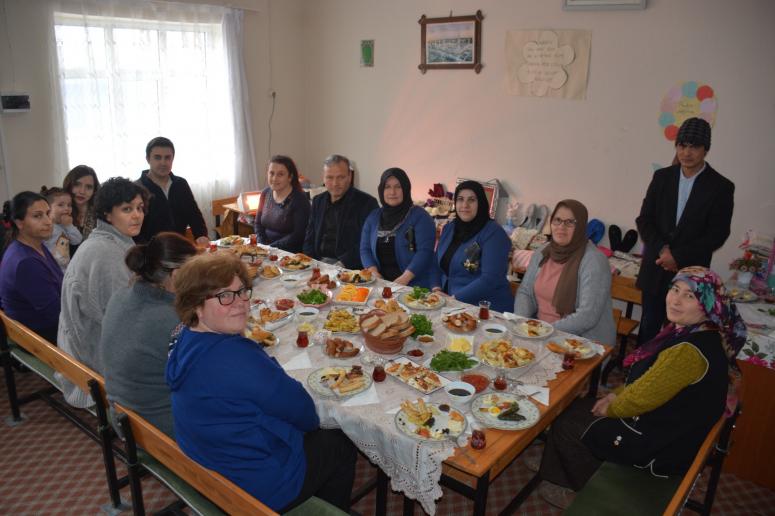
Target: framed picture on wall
[602, 5]
[491, 190]
[450, 43]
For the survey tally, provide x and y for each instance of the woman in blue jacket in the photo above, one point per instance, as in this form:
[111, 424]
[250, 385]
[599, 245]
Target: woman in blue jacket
[473, 253]
[397, 240]
[235, 410]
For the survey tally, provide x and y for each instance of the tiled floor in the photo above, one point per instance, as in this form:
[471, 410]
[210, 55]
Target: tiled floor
[47, 466]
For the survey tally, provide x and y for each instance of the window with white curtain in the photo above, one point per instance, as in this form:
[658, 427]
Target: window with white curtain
[127, 80]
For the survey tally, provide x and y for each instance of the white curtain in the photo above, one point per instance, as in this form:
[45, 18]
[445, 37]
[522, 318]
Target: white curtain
[130, 70]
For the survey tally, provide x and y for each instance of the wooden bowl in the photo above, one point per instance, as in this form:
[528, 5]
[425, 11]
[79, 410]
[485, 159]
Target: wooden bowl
[389, 346]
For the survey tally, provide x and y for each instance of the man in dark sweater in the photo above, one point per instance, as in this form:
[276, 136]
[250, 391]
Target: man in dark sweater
[172, 206]
[337, 217]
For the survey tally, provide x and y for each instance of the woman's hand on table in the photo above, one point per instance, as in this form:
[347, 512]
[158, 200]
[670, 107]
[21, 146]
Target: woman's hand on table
[601, 407]
[405, 278]
[375, 271]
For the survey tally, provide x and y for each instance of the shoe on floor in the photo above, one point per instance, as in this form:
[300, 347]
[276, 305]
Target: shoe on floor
[557, 496]
[532, 460]
[530, 217]
[542, 213]
[628, 241]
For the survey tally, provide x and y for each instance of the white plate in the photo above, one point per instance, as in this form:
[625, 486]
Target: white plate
[427, 364]
[276, 342]
[441, 421]
[520, 329]
[271, 326]
[403, 360]
[484, 360]
[328, 299]
[527, 409]
[414, 305]
[260, 273]
[591, 348]
[740, 295]
[314, 382]
[354, 303]
[357, 330]
[454, 328]
[372, 280]
[226, 245]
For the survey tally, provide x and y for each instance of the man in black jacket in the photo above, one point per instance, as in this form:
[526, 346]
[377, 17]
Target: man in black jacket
[685, 217]
[337, 217]
[172, 206]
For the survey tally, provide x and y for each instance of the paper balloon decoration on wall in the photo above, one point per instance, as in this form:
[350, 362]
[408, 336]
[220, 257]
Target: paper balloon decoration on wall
[684, 101]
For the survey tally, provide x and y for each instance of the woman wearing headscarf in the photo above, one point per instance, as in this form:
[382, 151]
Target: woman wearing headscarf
[472, 257]
[568, 281]
[397, 239]
[675, 391]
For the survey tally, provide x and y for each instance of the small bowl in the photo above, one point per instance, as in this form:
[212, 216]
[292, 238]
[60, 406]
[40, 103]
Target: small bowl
[290, 281]
[494, 330]
[425, 340]
[307, 314]
[454, 389]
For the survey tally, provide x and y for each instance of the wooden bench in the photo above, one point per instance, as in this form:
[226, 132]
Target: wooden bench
[623, 289]
[32, 350]
[204, 490]
[617, 489]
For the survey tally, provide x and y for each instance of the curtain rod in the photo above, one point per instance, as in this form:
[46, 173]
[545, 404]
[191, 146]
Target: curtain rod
[229, 5]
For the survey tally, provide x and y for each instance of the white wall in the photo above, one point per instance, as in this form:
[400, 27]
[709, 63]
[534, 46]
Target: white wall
[451, 123]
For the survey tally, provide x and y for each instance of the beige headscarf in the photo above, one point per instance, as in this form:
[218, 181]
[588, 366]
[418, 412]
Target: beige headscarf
[564, 299]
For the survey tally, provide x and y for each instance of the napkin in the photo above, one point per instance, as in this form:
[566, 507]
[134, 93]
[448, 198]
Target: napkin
[367, 397]
[300, 361]
[541, 397]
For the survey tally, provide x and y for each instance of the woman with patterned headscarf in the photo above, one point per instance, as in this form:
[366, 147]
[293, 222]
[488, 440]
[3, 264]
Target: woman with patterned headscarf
[568, 281]
[397, 239]
[473, 252]
[675, 391]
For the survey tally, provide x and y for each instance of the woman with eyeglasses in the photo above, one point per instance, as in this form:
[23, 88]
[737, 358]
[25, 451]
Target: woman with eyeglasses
[235, 409]
[473, 253]
[136, 329]
[568, 281]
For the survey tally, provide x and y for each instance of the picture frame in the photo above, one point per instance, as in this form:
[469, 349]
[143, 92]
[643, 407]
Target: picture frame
[451, 43]
[602, 5]
[491, 190]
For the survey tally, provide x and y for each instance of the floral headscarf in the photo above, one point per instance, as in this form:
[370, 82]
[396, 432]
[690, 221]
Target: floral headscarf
[718, 308]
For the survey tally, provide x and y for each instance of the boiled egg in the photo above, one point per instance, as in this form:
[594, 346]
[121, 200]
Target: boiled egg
[495, 411]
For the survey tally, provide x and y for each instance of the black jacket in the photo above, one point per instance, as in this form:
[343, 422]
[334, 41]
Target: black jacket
[357, 206]
[703, 228]
[175, 213]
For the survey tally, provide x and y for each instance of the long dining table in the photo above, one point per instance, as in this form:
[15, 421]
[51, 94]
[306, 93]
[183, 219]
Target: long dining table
[413, 467]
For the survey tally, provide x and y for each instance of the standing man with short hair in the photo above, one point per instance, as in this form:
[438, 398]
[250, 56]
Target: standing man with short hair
[685, 217]
[172, 206]
[337, 217]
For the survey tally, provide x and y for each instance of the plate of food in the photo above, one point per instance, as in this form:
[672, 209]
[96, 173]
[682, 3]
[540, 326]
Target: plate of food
[386, 305]
[414, 375]
[284, 304]
[258, 334]
[340, 348]
[324, 281]
[314, 297]
[580, 347]
[342, 320]
[230, 241]
[505, 411]
[460, 322]
[269, 271]
[500, 353]
[351, 295]
[429, 421]
[742, 295]
[339, 382]
[270, 319]
[423, 327]
[532, 329]
[461, 344]
[360, 277]
[295, 262]
[421, 298]
[451, 361]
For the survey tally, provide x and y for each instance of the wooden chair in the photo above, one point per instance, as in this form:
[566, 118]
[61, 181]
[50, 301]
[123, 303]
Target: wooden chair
[617, 489]
[45, 359]
[202, 489]
[219, 212]
[623, 289]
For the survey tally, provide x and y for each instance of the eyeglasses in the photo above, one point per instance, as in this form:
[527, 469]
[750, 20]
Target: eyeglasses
[568, 223]
[227, 297]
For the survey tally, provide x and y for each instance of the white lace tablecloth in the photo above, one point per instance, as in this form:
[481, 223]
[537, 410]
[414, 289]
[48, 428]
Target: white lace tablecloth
[414, 467]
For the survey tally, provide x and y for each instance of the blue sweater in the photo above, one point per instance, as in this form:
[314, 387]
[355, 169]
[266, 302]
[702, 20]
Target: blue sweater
[237, 412]
[488, 281]
[31, 288]
[420, 262]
